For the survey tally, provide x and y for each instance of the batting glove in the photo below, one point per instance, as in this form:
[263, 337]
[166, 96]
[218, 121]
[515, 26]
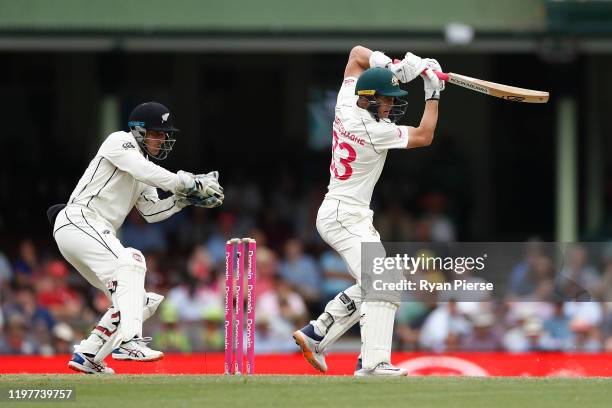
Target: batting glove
[431, 83]
[408, 68]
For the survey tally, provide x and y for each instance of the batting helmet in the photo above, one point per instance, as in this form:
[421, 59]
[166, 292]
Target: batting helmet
[375, 82]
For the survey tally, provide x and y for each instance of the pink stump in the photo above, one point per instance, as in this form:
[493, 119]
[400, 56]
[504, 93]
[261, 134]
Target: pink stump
[240, 309]
[251, 280]
[229, 305]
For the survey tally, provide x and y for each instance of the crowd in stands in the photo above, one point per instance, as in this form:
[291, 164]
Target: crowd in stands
[46, 306]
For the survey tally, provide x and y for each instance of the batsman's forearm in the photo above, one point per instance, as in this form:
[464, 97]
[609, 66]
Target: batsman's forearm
[423, 135]
[430, 117]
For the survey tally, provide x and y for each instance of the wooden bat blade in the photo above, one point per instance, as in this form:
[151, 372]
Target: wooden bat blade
[509, 93]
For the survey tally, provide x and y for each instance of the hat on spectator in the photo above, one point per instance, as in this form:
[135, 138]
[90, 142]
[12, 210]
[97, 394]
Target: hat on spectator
[532, 327]
[63, 332]
[483, 320]
[57, 269]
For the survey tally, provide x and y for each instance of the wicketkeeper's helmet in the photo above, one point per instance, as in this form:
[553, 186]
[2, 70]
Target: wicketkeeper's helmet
[152, 116]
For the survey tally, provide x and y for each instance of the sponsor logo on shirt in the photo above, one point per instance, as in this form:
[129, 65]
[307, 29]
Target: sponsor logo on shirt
[137, 256]
[348, 81]
[128, 145]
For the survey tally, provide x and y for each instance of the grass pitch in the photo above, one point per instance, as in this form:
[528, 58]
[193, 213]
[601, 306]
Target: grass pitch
[151, 391]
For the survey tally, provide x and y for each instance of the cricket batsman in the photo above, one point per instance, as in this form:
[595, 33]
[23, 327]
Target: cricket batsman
[368, 106]
[118, 178]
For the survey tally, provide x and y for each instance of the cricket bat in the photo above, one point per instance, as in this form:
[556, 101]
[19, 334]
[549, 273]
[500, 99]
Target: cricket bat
[509, 93]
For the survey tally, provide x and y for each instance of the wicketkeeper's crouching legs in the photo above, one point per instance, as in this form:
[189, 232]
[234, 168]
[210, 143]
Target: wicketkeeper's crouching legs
[105, 331]
[133, 303]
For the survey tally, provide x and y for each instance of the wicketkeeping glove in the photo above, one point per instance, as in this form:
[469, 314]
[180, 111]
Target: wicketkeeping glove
[199, 201]
[206, 185]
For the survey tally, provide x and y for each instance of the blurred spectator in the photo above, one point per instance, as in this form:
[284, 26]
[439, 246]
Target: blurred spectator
[27, 265]
[521, 283]
[483, 337]
[557, 334]
[444, 324]
[272, 336]
[26, 307]
[409, 319]
[578, 280]
[336, 274]
[590, 312]
[17, 339]
[146, 237]
[6, 271]
[199, 290]
[586, 337]
[63, 338]
[55, 294]
[225, 229]
[213, 330]
[441, 227]
[395, 224]
[197, 228]
[155, 279]
[283, 306]
[604, 291]
[301, 271]
[170, 338]
[525, 337]
[305, 217]
[533, 278]
[267, 265]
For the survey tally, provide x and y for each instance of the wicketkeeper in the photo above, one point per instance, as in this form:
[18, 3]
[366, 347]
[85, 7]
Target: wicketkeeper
[119, 177]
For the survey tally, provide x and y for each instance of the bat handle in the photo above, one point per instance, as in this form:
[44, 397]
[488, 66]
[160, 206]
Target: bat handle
[441, 75]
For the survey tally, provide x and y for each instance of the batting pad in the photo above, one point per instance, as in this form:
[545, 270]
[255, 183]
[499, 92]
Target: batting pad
[376, 332]
[340, 314]
[129, 294]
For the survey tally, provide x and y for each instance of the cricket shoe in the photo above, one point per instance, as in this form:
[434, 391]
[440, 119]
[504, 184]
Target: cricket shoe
[82, 363]
[137, 350]
[382, 370]
[308, 340]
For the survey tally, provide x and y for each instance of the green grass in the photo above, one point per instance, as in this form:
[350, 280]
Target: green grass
[152, 391]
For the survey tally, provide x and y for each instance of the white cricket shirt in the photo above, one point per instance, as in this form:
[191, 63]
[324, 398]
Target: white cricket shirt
[359, 148]
[119, 177]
